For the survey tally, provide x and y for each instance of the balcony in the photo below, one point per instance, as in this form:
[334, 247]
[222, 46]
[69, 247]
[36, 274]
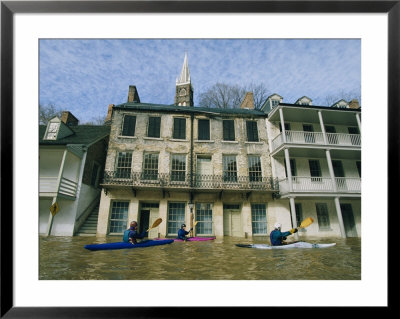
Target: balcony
[317, 139]
[51, 187]
[183, 181]
[320, 185]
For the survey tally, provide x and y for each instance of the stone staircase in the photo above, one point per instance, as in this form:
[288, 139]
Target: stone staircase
[89, 227]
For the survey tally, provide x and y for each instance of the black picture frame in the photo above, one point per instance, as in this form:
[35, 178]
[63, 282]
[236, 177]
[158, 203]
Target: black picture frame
[9, 8]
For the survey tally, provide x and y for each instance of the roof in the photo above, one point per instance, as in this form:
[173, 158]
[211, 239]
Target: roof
[189, 109]
[83, 134]
[320, 107]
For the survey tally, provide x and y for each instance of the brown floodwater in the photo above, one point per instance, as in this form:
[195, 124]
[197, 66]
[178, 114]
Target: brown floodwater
[65, 258]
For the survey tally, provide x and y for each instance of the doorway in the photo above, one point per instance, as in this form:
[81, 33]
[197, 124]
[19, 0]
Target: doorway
[348, 220]
[144, 221]
[232, 223]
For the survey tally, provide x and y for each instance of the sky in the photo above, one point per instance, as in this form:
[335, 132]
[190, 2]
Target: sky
[84, 76]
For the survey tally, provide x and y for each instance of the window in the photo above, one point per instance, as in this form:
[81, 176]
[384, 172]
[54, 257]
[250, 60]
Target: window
[204, 129]
[274, 103]
[204, 218]
[149, 205]
[178, 167]
[176, 217]
[323, 216]
[255, 173]
[315, 171]
[259, 219]
[252, 131]
[150, 166]
[154, 127]
[230, 168]
[128, 128]
[232, 206]
[358, 163]
[287, 126]
[179, 128]
[124, 163]
[52, 131]
[95, 173]
[118, 217]
[308, 133]
[228, 130]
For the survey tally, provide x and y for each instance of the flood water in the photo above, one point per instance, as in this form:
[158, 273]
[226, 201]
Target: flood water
[65, 258]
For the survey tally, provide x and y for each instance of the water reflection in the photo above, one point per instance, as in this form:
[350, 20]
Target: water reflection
[65, 258]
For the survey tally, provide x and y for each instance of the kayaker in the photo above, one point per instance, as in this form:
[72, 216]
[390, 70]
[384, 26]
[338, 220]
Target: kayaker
[182, 232]
[277, 237]
[131, 235]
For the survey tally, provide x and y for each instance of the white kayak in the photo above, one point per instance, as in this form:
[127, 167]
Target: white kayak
[300, 244]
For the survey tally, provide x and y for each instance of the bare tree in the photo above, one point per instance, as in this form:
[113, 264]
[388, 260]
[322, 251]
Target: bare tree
[47, 112]
[96, 120]
[222, 95]
[342, 95]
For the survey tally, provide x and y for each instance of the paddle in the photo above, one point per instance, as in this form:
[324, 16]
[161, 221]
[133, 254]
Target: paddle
[156, 223]
[305, 223]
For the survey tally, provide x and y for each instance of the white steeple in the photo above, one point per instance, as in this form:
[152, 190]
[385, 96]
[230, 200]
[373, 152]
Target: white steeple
[185, 74]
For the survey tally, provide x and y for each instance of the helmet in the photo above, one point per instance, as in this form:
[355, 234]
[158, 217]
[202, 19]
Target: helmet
[183, 225]
[278, 225]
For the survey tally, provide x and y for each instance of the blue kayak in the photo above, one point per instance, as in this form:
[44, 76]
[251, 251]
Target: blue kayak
[123, 245]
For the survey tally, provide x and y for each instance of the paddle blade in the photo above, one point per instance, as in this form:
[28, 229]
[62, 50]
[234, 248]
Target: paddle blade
[156, 223]
[195, 223]
[307, 222]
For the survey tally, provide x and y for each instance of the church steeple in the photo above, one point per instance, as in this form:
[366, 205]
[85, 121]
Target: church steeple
[184, 90]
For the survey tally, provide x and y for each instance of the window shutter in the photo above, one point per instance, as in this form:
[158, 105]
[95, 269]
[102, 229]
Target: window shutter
[179, 128]
[204, 130]
[154, 127]
[228, 130]
[252, 132]
[129, 125]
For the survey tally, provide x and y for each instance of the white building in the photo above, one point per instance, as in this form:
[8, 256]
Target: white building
[316, 155]
[71, 165]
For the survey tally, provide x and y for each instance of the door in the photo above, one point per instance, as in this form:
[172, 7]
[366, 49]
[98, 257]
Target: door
[204, 170]
[144, 221]
[331, 134]
[232, 223]
[308, 133]
[354, 137]
[339, 175]
[348, 220]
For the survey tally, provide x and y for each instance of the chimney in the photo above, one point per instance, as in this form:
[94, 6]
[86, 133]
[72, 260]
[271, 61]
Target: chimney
[248, 101]
[69, 119]
[133, 95]
[109, 113]
[353, 104]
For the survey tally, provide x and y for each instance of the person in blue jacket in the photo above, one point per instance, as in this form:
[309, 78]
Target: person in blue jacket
[131, 235]
[277, 237]
[182, 232]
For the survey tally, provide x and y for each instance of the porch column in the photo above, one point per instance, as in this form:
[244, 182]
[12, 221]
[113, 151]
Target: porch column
[133, 211]
[321, 122]
[331, 172]
[218, 218]
[293, 215]
[289, 170]
[163, 212]
[340, 218]
[60, 174]
[104, 214]
[282, 125]
[358, 122]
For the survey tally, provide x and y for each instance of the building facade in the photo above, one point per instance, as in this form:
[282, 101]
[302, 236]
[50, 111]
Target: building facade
[71, 165]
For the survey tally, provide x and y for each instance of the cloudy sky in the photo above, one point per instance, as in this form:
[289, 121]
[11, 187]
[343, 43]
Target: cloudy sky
[85, 76]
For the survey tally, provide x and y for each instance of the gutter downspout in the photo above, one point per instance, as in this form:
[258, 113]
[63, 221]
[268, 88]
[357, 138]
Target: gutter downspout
[191, 173]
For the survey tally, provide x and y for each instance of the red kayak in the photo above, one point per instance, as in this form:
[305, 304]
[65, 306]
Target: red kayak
[190, 239]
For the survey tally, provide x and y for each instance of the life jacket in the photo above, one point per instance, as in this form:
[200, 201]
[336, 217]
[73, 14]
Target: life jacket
[126, 236]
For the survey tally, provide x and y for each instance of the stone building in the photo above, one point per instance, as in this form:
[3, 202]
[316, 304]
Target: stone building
[184, 164]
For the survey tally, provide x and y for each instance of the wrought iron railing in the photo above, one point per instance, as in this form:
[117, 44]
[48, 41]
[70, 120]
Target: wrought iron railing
[141, 179]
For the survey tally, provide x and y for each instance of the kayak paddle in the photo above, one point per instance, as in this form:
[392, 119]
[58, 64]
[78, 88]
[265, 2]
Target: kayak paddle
[305, 223]
[156, 223]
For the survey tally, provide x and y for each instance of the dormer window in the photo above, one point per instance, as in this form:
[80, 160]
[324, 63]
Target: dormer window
[52, 131]
[274, 103]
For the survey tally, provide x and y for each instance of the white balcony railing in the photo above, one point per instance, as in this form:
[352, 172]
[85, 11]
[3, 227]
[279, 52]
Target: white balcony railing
[317, 138]
[320, 185]
[50, 185]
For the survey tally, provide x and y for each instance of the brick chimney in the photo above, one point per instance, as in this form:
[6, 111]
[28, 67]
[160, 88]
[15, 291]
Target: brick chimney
[133, 95]
[248, 101]
[69, 119]
[353, 104]
[109, 113]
